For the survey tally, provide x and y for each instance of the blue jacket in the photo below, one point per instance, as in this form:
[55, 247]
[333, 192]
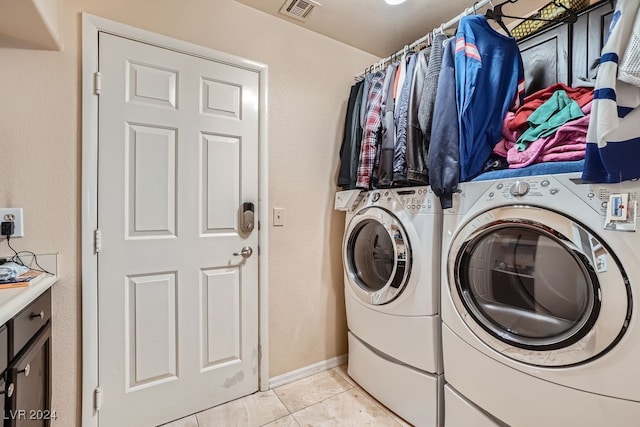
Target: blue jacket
[489, 81]
[443, 158]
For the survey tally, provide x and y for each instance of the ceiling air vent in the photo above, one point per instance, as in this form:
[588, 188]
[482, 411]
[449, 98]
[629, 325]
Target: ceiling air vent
[298, 9]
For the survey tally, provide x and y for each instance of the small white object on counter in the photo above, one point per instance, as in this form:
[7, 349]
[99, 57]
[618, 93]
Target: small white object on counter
[13, 300]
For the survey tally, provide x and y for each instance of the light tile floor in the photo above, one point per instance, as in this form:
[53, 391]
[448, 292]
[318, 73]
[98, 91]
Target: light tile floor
[329, 398]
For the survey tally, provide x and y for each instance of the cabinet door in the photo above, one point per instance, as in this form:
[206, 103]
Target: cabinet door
[3, 397]
[30, 402]
[589, 36]
[546, 58]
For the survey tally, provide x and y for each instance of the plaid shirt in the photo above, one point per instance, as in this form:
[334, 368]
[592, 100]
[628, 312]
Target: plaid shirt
[370, 132]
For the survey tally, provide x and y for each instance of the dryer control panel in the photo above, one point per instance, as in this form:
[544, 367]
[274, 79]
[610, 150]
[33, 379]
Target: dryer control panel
[417, 200]
[413, 200]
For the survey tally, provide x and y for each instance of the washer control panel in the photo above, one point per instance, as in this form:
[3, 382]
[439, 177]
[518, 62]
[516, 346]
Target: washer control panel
[514, 190]
[533, 189]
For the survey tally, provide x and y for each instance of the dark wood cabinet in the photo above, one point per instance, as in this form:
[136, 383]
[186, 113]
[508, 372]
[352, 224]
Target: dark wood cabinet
[589, 36]
[30, 375]
[566, 53]
[27, 377]
[546, 58]
[4, 364]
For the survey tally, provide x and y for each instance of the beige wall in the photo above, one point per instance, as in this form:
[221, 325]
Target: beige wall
[309, 80]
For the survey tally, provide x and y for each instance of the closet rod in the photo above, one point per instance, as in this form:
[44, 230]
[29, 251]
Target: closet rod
[476, 6]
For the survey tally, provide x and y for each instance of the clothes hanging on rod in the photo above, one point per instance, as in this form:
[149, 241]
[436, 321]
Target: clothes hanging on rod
[482, 77]
[489, 81]
[436, 145]
[351, 140]
[371, 126]
[388, 129]
[444, 153]
[384, 127]
[400, 149]
[417, 159]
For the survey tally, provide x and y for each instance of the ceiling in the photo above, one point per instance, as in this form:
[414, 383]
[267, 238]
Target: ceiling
[372, 25]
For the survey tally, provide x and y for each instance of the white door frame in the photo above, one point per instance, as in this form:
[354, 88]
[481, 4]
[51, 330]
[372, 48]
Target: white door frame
[91, 25]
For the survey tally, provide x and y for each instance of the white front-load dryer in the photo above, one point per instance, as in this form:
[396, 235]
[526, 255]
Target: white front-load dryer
[391, 255]
[539, 302]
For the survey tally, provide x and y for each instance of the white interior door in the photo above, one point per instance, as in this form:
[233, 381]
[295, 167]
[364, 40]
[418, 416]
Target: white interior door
[177, 157]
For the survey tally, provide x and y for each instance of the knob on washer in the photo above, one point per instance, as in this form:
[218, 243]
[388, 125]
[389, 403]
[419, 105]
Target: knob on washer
[519, 188]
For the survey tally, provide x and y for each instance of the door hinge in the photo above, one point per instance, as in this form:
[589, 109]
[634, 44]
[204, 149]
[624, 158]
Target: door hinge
[97, 82]
[97, 399]
[97, 240]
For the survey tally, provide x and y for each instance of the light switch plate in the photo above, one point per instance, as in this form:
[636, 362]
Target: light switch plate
[14, 215]
[278, 217]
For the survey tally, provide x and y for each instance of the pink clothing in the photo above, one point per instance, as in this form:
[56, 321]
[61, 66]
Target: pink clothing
[568, 143]
[509, 137]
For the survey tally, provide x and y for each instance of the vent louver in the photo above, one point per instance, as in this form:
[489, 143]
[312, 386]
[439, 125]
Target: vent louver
[298, 9]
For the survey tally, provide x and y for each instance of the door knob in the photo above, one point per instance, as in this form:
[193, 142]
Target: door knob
[245, 252]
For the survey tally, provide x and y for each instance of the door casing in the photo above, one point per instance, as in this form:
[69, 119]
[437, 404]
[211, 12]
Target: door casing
[91, 26]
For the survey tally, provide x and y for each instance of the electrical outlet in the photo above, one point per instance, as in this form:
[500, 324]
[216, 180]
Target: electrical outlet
[14, 215]
[278, 217]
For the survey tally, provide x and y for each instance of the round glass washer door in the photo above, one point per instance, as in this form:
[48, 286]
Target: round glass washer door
[377, 256]
[538, 287]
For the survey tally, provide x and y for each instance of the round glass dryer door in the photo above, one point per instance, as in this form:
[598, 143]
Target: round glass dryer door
[540, 283]
[377, 256]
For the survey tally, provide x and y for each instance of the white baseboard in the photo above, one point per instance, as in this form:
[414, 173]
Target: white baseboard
[307, 371]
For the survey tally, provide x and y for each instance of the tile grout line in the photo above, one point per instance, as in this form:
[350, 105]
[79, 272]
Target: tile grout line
[378, 404]
[320, 401]
[348, 383]
[360, 391]
[281, 401]
[285, 406]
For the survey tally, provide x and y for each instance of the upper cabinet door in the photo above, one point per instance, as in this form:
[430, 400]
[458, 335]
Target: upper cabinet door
[589, 35]
[546, 58]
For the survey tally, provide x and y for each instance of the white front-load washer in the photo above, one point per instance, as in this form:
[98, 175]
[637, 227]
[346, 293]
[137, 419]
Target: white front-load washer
[539, 302]
[391, 255]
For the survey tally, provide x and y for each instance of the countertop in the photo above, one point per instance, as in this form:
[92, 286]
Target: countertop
[13, 300]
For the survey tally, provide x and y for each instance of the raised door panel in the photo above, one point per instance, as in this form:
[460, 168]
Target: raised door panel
[599, 22]
[221, 169]
[150, 178]
[151, 330]
[546, 59]
[589, 35]
[222, 320]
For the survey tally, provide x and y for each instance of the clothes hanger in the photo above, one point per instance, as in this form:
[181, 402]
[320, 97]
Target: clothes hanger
[496, 14]
[573, 16]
